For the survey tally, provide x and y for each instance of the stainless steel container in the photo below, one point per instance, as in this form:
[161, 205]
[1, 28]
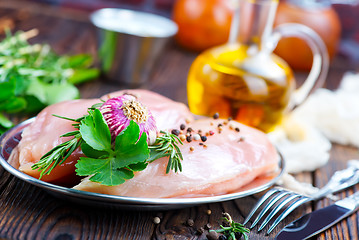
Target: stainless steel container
[130, 42]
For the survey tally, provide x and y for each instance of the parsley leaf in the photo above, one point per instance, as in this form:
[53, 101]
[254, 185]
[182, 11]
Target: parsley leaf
[5, 124]
[130, 149]
[103, 170]
[50, 93]
[92, 153]
[138, 166]
[95, 132]
[117, 164]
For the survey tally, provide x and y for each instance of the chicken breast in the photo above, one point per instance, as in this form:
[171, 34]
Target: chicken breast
[225, 162]
[43, 134]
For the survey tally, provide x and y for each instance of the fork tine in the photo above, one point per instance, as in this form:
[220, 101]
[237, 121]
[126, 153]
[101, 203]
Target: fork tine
[285, 213]
[259, 203]
[277, 209]
[268, 206]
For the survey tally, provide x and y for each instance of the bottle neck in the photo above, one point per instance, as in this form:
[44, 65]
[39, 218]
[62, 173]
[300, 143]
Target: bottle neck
[252, 23]
[310, 4]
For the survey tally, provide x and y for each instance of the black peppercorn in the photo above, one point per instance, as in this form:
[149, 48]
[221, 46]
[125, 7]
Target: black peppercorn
[189, 139]
[175, 132]
[182, 126]
[216, 116]
[203, 138]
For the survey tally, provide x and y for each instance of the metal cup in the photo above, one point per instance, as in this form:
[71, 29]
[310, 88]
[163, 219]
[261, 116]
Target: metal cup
[130, 42]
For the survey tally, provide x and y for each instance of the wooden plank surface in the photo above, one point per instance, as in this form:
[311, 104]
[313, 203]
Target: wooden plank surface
[28, 212]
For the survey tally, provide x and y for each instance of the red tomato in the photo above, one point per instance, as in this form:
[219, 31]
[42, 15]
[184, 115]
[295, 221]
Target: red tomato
[202, 23]
[324, 21]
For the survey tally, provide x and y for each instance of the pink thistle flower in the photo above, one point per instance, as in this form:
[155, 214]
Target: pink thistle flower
[119, 111]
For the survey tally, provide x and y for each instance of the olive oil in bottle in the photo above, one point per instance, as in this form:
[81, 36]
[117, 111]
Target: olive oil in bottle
[243, 79]
[252, 90]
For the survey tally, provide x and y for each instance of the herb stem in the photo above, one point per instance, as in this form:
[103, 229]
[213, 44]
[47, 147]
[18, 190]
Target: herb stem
[58, 155]
[230, 232]
[167, 146]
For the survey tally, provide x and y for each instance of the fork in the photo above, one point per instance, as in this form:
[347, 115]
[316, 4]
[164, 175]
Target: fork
[278, 197]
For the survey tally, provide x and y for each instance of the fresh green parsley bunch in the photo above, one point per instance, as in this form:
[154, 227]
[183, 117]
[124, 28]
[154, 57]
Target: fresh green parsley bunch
[33, 76]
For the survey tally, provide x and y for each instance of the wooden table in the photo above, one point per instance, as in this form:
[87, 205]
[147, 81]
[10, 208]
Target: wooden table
[27, 212]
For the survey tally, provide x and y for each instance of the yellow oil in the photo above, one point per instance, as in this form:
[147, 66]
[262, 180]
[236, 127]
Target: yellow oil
[252, 89]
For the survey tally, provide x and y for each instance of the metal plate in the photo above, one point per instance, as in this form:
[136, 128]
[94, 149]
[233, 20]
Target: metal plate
[10, 139]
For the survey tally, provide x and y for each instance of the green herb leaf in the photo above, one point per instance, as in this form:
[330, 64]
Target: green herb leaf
[60, 92]
[21, 83]
[33, 104]
[128, 148]
[95, 131]
[97, 105]
[80, 61]
[117, 165]
[92, 153]
[5, 123]
[103, 171]
[155, 154]
[83, 75]
[37, 89]
[52, 93]
[7, 90]
[13, 105]
[138, 166]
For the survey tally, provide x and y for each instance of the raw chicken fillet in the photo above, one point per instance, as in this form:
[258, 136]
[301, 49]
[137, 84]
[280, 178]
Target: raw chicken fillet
[232, 156]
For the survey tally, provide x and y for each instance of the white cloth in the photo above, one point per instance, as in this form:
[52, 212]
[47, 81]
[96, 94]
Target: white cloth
[305, 137]
[335, 113]
[303, 147]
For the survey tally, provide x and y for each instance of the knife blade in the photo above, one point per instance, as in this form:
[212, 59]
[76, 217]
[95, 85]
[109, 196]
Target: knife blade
[317, 221]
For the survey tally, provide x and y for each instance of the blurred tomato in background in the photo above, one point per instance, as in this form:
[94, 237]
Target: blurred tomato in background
[202, 23]
[318, 15]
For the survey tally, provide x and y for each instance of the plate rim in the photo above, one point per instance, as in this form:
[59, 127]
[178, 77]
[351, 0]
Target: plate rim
[125, 200]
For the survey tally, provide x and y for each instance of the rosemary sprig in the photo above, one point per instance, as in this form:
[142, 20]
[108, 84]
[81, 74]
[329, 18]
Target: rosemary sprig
[167, 146]
[233, 228]
[61, 152]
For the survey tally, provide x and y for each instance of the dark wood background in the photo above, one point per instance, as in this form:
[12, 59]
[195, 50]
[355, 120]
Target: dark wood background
[27, 212]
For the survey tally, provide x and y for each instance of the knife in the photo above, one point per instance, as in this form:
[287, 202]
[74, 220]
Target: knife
[317, 221]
